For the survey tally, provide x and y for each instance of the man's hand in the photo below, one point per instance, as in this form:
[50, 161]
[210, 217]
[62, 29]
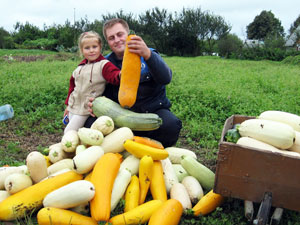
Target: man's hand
[90, 105]
[138, 46]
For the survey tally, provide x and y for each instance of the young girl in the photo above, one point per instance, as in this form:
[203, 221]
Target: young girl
[88, 79]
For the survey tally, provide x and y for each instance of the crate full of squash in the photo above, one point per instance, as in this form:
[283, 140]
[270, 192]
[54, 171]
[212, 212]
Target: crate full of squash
[258, 155]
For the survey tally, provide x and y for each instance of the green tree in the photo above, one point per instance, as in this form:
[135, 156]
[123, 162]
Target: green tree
[294, 25]
[129, 18]
[154, 25]
[6, 40]
[230, 45]
[66, 35]
[217, 28]
[265, 25]
[26, 32]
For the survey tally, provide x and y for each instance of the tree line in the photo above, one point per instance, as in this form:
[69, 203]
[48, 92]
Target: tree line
[190, 32]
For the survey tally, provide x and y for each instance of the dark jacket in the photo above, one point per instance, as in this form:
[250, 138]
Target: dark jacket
[151, 96]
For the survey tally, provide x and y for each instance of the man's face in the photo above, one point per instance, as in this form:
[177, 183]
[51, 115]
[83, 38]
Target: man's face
[116, 39]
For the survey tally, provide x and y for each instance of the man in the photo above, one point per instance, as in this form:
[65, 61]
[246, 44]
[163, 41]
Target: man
[155, 74]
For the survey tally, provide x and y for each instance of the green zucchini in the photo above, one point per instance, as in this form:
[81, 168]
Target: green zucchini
[204, 175]
[103, 106]
[232, 135]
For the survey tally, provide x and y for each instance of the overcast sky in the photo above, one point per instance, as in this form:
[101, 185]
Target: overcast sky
[238, 13]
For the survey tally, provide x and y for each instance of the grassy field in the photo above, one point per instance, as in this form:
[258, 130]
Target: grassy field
[205, 91]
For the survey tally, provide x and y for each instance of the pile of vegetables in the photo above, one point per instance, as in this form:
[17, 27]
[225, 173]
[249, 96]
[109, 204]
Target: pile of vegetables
[86, 175]
[276, 131]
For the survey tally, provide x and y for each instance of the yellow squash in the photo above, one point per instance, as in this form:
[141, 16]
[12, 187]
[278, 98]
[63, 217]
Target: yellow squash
[148, 141]
[104, 174]
[58, 216]
[138, 215]
[157, 184]
[145, 172]
[169, 213]
[139, 150]
[208, 203]
[132, 194]
[30, 199]
[130, 77]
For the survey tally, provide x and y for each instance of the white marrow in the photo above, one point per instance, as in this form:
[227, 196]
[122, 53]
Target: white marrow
[80, 148]
[3, 195]
[17, 182]
[90, 136]
[131, 163]
[62, 164]
[70, 195]
[284, 117]
[6, 171]
[296, 146]
[170, 176]
[56, 153]
[176, 154]
[57, 173]
[179, 192]
[278, 134]
[251, 142]
[69, 141]
[37, 166]
[193, 188]
[85, 161]
[120, 185]
[105, 124]
[113, 142]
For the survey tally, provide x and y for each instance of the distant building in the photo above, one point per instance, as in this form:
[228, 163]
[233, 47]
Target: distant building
[253, 43]
[293, 40]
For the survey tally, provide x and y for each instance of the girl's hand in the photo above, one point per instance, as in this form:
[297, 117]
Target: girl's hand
[90, 105]
[66, 112]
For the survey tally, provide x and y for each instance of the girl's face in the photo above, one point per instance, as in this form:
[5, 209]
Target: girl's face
[91, 49]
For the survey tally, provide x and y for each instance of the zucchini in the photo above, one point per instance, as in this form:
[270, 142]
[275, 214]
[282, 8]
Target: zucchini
[176, 154]
[284, 117]
[180, 193]
[203, 174]
[119, 188]
[193, 188]
[232, 135]
[103, 106]
[179, 171]
[253, 143]
[169, 174]
[278, 134]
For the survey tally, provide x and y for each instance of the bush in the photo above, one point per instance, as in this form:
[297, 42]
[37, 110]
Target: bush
[294, 60]
[8, 42]
[41, 43]
[230, 45]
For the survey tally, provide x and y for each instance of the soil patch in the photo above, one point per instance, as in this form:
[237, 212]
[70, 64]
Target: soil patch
[19, 58]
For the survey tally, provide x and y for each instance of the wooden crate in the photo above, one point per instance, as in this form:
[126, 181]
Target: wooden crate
[248, 173]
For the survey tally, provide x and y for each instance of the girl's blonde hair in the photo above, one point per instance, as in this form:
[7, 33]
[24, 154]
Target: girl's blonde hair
[86, 35]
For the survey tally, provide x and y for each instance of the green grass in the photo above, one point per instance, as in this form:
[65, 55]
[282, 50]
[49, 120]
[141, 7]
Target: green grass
[25, 52]
[204, 92]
